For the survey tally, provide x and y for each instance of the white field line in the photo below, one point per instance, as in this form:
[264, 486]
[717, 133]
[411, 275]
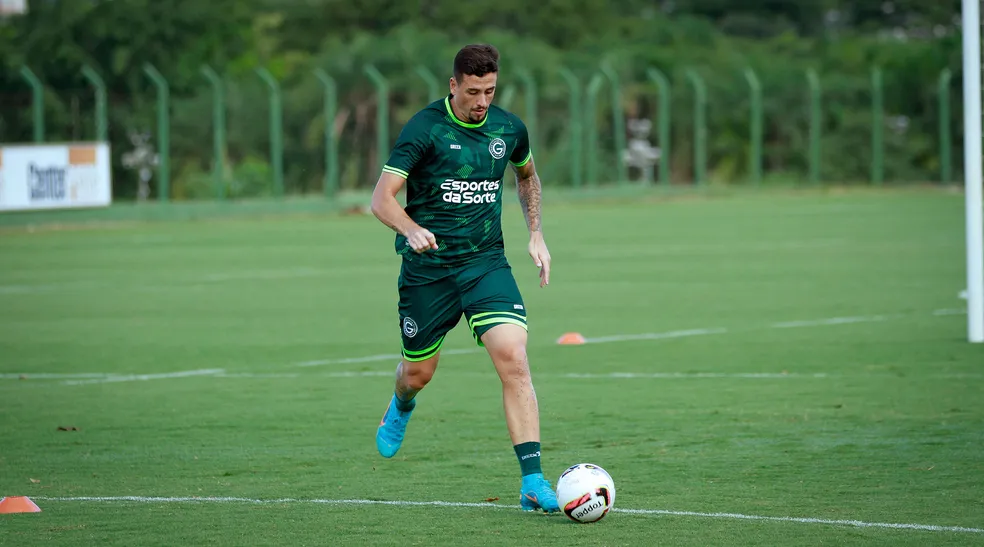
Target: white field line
[668, 335]
[260, 275]
[941, 313]
[350, 360]
[219, 373]
[257, 375]
[296, 273]
[96, 378]
[654, 335]
[145, 377]
[50, 375]
[208, 278]
[572, 375]
[216, 373]
[373, 358]
[631, 375]
[589, 376]
[831, 321]
[168, 285]
[337, 374]
[48, 287]
[648, 512]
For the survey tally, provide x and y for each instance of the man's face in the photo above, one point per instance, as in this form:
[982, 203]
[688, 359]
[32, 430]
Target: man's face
[473, 95]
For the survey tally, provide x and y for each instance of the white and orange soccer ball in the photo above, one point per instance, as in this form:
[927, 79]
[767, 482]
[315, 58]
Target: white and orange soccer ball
[585, 492]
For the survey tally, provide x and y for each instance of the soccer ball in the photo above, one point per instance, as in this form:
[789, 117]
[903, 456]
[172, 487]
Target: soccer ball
[585, 492]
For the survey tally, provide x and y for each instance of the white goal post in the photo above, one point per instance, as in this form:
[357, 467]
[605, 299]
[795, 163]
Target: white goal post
[972, 168]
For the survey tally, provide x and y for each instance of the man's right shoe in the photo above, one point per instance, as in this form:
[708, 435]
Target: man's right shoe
[393, 426]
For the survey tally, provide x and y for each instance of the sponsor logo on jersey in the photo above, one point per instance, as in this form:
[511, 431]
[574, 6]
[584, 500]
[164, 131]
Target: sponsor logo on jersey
[463, 191]
[455, 147]
[497, 148]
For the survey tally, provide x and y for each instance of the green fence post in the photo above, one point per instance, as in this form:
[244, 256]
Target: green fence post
[591, 127]
[757, 123]
[276, 130]
[163, 132]
[37, 103]
[877, 127]
[508, 94]
[102, 123]
[574, 132]
[815, 120]
[331, 144]
[663, 130]
[382, 114]
[530, 100]
[618, 122]
[433, 86]
[946, 158]
[218, 129]
[700, 126]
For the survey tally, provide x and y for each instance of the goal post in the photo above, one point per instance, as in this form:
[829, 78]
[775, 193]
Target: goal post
[972, 168]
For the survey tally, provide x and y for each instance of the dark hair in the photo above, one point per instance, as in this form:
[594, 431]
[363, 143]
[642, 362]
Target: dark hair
[476, 60]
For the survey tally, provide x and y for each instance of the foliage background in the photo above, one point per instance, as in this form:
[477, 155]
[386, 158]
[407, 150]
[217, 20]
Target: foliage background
[913, 41]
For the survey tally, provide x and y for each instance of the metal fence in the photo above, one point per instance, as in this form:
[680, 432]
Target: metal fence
[589, 119]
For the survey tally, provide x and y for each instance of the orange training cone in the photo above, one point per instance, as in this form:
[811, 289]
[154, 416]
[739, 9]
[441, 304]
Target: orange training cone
[571, 338]
[18, 504]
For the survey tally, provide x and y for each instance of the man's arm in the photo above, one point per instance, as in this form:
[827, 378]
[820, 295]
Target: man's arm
[389, 211]
[529, 189]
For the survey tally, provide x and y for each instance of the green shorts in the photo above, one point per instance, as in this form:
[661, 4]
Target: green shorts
[433, 298]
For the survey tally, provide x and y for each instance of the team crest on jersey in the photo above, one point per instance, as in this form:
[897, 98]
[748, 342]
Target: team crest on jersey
[497, 148]
[409, 327]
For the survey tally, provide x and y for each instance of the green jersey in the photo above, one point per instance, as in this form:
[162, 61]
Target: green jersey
[454, 172]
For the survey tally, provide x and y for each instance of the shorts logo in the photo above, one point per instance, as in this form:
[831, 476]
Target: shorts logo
[409, 327]
[497, 148]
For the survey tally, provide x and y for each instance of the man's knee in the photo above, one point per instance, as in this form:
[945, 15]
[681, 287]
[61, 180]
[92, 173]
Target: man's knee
[417, 374]
[513, 354]
[513, 367]
[507, 347]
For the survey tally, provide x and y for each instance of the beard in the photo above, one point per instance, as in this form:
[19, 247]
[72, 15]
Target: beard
[477, 116]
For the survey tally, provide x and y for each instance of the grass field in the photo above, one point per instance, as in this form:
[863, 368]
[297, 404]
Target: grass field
[795, 356]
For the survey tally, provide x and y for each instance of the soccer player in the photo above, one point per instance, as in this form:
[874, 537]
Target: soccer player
[452, 157]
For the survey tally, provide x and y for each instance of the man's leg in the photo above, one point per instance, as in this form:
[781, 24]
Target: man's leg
[411, 377]
[506, 344]
[497, 318]
[428, 310]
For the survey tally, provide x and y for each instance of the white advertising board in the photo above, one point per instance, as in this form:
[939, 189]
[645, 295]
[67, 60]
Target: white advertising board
[55, 176]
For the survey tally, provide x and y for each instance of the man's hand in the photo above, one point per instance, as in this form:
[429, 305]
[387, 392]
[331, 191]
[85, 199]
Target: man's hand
[389, 211]
[421, 239]
[541, 256]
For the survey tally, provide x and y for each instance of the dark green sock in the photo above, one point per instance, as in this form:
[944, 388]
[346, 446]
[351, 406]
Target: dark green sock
[405, 406]
[529, 457]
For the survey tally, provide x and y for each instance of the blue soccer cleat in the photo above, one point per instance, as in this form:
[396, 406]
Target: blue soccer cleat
[538, 494]
[389, 435]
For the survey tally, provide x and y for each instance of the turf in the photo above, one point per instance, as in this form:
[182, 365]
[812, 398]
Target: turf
[799, 354]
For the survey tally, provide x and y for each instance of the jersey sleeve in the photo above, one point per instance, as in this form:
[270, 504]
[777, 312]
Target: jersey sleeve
[411, 147]
[522, 153]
